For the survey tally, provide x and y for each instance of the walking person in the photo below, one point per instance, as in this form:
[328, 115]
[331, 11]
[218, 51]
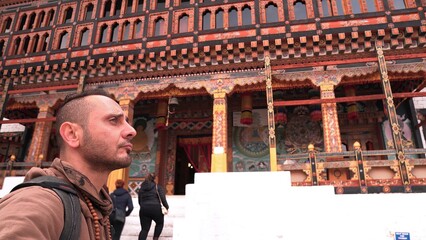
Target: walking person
[122, 201]
[94, 139]
[149, 197]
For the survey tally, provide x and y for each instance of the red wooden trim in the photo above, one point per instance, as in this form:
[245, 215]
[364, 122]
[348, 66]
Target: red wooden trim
[346, 61]
[347, 99]
[43, 89]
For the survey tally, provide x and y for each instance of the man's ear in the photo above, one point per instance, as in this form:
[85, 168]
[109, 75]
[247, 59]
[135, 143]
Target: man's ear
[71, 134]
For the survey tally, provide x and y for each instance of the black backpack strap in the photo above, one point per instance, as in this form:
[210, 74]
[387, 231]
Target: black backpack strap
[70, 200]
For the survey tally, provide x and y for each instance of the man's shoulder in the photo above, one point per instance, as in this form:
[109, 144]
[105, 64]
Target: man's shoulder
[36, 206]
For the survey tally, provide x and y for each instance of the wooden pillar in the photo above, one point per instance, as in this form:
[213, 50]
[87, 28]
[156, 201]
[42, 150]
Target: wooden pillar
[131, 30]
[128, 107]
[41, 40]
[393, 118]
[5, 96]
[112, 10]
[20, 47]
[120, 33]
[220, 132]
[81, 84]
[41, 136]
[31, 45]
[135, 6]
[271, 117]
[109, 34]
[331, 129]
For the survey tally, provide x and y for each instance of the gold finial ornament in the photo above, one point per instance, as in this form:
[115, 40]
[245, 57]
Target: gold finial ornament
[357, 145]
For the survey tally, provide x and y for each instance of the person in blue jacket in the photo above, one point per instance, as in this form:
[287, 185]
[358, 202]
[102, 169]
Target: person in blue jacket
[150, 208]
[121, 200]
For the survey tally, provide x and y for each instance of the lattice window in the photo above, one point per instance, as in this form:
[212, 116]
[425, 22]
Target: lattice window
[399, 4]
[161, 4]
[299, 9]
[183, 23]
[22, 22]
[247, 15]
[35, 43]
[7, 25]
[63, 40]
[126, 31]
[219, 18]
[138, 29]
[16, 45]
[2, 47]
[160, 28]
[356, 7]
[26, 44]
[84, 37]
[107, 9]
[103, 34]
[129, 6]
[233, 17]
[117, 9]
[45, 42]
[140, 5]
[40, 20]
[114, 33]
[31, 20]
[206, 20]
[68, 15]
[185, 2]
[50, 16]
[271, 13]
[88, 11]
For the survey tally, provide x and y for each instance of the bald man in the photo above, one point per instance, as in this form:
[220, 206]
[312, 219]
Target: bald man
[94, 139]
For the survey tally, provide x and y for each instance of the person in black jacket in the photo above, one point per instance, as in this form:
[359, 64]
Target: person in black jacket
[121, 200]
[150, 208]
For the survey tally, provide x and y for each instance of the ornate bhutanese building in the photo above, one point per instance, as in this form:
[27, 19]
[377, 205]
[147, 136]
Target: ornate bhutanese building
[321, 88]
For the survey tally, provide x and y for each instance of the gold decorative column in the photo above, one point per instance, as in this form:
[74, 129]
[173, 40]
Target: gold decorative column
[271, 117]
[331, 129]
[393, 120]
[220, 132]
[128, 107]
[41, 135]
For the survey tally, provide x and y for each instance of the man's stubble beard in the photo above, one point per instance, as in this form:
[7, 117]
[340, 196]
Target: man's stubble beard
[97, 154]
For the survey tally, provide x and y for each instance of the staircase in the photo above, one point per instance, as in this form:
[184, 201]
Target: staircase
[264, 205]
[176, 211]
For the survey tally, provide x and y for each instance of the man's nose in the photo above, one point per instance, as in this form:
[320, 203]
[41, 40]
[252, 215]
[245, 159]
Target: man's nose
[130, 131]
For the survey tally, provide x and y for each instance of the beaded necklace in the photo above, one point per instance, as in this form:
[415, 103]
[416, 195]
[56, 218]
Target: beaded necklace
[96, 220]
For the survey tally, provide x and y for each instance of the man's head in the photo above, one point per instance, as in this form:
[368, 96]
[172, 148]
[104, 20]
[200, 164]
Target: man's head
[91, 126]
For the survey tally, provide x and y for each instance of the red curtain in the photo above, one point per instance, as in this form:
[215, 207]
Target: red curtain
[198, 151]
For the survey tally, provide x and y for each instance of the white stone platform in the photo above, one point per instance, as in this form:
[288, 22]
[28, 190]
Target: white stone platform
[263, 205]
[9, 183]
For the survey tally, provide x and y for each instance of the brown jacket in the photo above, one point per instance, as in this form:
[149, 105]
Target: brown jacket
[37, 213]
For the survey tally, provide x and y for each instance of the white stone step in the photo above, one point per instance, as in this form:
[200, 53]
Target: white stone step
[263, 205]
[176, 210]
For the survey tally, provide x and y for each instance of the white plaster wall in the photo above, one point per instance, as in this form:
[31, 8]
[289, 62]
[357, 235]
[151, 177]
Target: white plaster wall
[263, 205]
[420, 102]
[9, 183]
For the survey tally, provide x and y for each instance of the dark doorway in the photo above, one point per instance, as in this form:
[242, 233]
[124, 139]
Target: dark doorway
[184, 172]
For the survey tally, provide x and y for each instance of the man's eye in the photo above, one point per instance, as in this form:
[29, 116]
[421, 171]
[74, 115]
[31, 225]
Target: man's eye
[114, 120]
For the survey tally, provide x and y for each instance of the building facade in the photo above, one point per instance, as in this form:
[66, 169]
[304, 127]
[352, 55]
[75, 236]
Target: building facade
[321, 88]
